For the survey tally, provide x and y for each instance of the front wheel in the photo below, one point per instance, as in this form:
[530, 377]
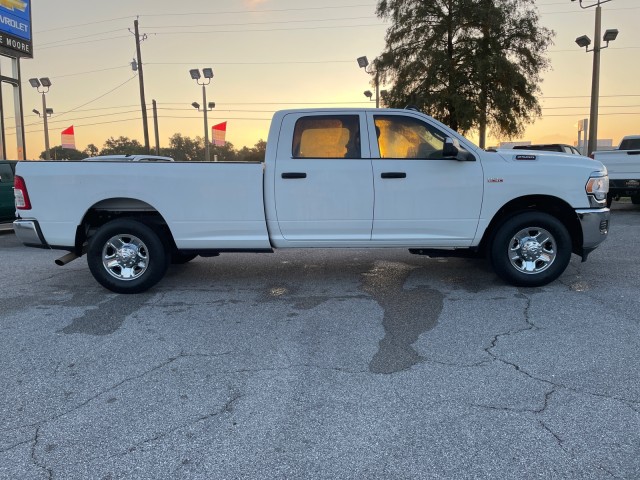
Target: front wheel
[126, 256]
[531, 249]
[635, 199]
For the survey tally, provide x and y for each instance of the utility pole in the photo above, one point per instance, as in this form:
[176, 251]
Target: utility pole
[143, 105]
[155, 125]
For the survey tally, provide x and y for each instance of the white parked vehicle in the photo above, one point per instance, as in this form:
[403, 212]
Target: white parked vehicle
[128, 158]
[623, 165]
[330, 178]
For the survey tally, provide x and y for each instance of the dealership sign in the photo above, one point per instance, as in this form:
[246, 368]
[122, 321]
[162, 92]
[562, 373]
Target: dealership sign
[15, 28]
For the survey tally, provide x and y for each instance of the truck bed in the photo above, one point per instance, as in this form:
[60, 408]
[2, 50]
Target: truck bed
[208, 205]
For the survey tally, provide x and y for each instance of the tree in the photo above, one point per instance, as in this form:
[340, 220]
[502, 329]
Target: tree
[223, 153]
[91, 150]
[469, 63]
[59, 153]
[182, 149]
[255, 154]
[122, 146]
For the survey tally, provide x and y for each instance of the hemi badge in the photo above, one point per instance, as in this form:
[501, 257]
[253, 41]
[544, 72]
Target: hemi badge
[495, 180]
[525, 157]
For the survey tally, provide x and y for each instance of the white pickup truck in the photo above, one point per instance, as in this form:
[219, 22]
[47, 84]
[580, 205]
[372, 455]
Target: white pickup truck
[623, 166]
[330, 178]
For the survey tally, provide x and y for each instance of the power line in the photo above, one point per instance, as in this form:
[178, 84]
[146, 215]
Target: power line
[585, 12]
[339, 19]
[147, 27]
[89, 41]
[283, 29]
[99, 97]
[284, 62]
[200, 14]
[79, 38]
[92, 71]
[273, 10]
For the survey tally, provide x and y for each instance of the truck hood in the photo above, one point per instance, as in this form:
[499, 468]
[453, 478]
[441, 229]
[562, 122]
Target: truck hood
[552, 159]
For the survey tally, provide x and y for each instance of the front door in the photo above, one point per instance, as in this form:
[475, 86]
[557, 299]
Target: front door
[421, 198]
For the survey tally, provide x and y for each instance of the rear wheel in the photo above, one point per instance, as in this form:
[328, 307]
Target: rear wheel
[635, 199]
[531, 249]
[127, 256]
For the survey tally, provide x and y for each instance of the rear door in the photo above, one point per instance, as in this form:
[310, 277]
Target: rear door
[323, 179]
[421, 198]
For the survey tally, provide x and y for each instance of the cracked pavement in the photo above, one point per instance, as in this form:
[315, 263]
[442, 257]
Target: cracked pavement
[322, 364]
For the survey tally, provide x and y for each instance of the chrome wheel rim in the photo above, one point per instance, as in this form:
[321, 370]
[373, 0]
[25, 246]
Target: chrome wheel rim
[532, 250]
[125, 257]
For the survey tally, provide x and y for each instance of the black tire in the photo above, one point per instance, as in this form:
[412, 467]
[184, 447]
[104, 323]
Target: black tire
[635, 199]
[609, 200]
[178, 258]
[530, 249]
[139, 263]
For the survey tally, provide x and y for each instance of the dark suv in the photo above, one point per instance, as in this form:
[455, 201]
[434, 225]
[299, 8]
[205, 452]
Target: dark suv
[7, 202]
[550, 147]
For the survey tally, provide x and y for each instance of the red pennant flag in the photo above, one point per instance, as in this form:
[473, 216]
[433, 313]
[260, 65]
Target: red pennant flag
[68, 138]
[219, 133]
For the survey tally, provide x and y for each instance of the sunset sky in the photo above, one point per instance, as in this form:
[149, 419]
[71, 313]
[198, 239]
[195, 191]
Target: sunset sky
[274, 54]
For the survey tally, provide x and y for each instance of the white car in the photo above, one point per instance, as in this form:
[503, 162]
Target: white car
[128, 158]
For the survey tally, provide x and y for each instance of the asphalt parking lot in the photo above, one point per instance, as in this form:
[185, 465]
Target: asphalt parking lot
[322, 364]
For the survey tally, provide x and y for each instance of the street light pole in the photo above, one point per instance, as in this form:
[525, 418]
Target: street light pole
[585, 41]
[46, 127]
[45, 83]
[207, 154]
[595, 84]
[208, 75]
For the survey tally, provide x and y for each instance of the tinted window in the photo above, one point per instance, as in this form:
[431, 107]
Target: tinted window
[6, 175]
[330, 136]
[630, 144]
[407, 137]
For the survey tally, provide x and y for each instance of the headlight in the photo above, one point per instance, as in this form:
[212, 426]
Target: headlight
[598, 187]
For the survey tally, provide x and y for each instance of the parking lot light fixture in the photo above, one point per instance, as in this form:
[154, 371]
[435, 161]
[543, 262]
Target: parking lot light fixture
[42, 86]
[363, 62]
[583, 41]
[610, 35]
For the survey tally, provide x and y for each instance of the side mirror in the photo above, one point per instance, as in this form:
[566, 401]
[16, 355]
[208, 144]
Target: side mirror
[452, 149]
[449, 150]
